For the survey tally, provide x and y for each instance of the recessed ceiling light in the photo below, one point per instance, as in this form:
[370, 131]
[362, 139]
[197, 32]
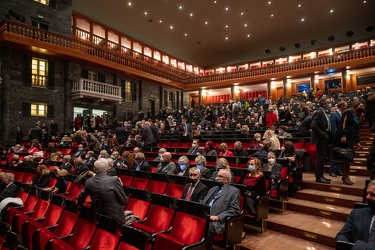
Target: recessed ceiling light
[129, 3]
[269, 2]
[241, 13]
[302, 19]
[245, 25]
[299, 5]
[226, 26]
[171, 27]
[271, 15]
[226, 8]
[180, 7]
[160, 21]
[146, 13]
[191, 14]
[226, 38]
[205, 22]
[331, 11]
[185, 34]
[248, 35]
[364, 1]
[215, 1]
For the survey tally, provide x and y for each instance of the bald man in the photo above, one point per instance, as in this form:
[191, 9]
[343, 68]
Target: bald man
[166, 166]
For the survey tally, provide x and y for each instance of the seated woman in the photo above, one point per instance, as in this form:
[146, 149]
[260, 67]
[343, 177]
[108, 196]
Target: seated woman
[209, 149]
[58, 156]
[270, 135]
[200, 162]
[42, 177]
[183, 166]
[274, 169]
[33, 149]
[223, 148]
[61, 184]
[255, 182]
[221, 163]
[257, 142]
[288, 151]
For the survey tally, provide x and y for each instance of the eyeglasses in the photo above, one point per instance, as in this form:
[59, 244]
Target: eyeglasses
[193, 175]
[221, 176]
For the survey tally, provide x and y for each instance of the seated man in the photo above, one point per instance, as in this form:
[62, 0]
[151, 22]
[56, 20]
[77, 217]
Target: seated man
[239, 151]
[359, 228]
[224, 201]
[195, 149]
[166, 166]
[11, 189]
[263, 152]
[140, 163]
[196, 190]
[283, 134]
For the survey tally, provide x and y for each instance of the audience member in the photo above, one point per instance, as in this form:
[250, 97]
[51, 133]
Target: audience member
[166, 166]
[183, 166]
[42, 177]
[195, 149]
[257, 142]
[221, 163]
[273, 168]
[11, 189]
[239, 151]
[209, 149]
[140, 163]
[200, 162]
[262, 153]
[61, 184]
[223, 149]
[195, 190]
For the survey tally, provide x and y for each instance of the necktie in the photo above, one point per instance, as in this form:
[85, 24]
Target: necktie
[371, 236]
[213, 196]
[189, 193]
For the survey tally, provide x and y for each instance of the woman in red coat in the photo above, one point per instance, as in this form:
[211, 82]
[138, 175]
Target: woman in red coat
[271, 118]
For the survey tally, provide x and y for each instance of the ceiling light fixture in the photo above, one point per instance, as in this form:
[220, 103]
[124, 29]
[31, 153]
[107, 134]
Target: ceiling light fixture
[331, 38]
[267, 51]
[271, 15]
[245, 24]
[303, 19]
[331, 11]
[185, 34]
[365, 1]
[269, 2]
[180, 7]
[145, 13]
[226, 26]
[171, 27]
[206, 22]
[248, 35]
[282, 48]
[370, 29]
[191, 14]
[241, 13]
[349, 33]
[129, 3]
[226, 38]
[297, 45]
[313, 42]
[226, 9]
[215, 1]
[160, 21]
[299, 6]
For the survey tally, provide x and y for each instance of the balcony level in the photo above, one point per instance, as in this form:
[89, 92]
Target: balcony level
[84, 88]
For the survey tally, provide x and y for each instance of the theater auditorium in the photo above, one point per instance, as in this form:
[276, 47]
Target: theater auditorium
[163, 124]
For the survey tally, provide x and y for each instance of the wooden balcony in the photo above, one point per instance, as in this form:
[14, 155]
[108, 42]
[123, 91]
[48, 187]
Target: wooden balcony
[109, 54]
[85, 88]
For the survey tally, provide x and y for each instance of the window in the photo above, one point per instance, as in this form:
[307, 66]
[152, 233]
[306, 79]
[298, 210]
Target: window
[169, 99]
[129, 90]
[45, 2]
[40, 25]
[39, 72]
[38, 109]
[93, 76]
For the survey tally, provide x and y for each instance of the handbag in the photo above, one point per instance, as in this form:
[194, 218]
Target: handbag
[342, 154]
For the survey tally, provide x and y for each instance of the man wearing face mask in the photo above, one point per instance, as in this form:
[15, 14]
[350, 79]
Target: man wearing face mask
[195, 190]
[239, 151]
[321, 128]
[195, 149]
[224, 202]
[359, 228]
[273, 167]
[166, 166]
[263, 152]
[283, 134]
[140, 163]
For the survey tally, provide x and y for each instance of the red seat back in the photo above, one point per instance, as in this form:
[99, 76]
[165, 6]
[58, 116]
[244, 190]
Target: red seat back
[187, 228]
[23, 196]
[159, 218]
[66, 223]
[157, 187]
[28, 177]
[175, 190]
[139, 207]
[82, 234]
[104, 240]
[140, 183]
[284, 173]
[126, 180]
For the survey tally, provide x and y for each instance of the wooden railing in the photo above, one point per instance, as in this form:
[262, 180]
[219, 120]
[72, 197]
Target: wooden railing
[85, 87]
[101, 48]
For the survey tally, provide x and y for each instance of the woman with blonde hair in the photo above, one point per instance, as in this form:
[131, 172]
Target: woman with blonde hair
[270, 135]
[223, 149]
[221, 163]
[42, 177]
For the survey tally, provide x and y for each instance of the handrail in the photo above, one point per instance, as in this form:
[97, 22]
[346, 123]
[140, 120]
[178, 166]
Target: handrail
[101, 48]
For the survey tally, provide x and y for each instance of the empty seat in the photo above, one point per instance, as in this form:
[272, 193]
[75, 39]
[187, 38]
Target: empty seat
[133, 239]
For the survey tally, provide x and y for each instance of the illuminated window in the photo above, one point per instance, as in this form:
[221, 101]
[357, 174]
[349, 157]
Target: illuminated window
[129, 90]
[38, 109]
[45, 2]
[93, 76]
[39, 72]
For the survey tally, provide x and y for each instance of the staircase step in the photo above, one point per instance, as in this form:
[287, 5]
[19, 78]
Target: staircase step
[354, 170]
[360, 161]
[325, 197]
[319, 209]
[308, 227]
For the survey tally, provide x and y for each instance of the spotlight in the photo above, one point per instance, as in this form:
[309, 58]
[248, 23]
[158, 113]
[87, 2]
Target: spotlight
[267, 51]
[282, 48]
[370, 29]
[331, 38]
[313, 42]
[349, 33]
[297, 45]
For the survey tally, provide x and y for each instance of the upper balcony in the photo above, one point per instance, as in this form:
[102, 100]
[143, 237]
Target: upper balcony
[84, 88]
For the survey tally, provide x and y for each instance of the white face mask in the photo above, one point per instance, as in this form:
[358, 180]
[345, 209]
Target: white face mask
[257, 139]
[194, 145]
[271, 161]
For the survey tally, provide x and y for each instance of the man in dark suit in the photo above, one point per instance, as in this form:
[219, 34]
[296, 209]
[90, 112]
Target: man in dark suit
[90, 159]
[196, 190]
[239, 151]
[335, 118]
[359, 228]
[78, 167]
[320, 136]
[185, 131]
[140, 163]
[10, 189]
[147, 135]
[36, 133]
[195, 149]
[224, 201]
[106, 192]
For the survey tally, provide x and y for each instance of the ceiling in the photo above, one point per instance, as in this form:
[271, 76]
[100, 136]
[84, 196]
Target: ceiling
[212, 33]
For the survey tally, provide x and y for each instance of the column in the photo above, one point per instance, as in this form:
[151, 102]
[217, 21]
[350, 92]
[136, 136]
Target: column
[200, 97]
[232, 92]
[285, 85]
[140, 99]
[312, 81]
[344, 87]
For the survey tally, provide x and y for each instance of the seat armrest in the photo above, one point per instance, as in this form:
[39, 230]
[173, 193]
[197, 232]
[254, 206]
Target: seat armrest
[196, 246]
[344, 245]
[234, 229]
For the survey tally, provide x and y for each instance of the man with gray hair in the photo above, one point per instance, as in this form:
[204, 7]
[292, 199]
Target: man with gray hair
[166, 166]
[195, 190]
[106, 192]
[11, 189]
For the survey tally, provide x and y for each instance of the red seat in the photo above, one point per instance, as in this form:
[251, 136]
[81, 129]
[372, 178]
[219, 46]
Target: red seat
[104, 240]
[64, 227]
[126, 180]
[281, 193]
[18, 176]
[139, 207]
[40, 210]
[158, 187]
[82, 234]
[73, 191]
[28, 206]
[133, 239]
[175, 190]
[52, 182]
[139, 183]
[299, 145]
[27, 177]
